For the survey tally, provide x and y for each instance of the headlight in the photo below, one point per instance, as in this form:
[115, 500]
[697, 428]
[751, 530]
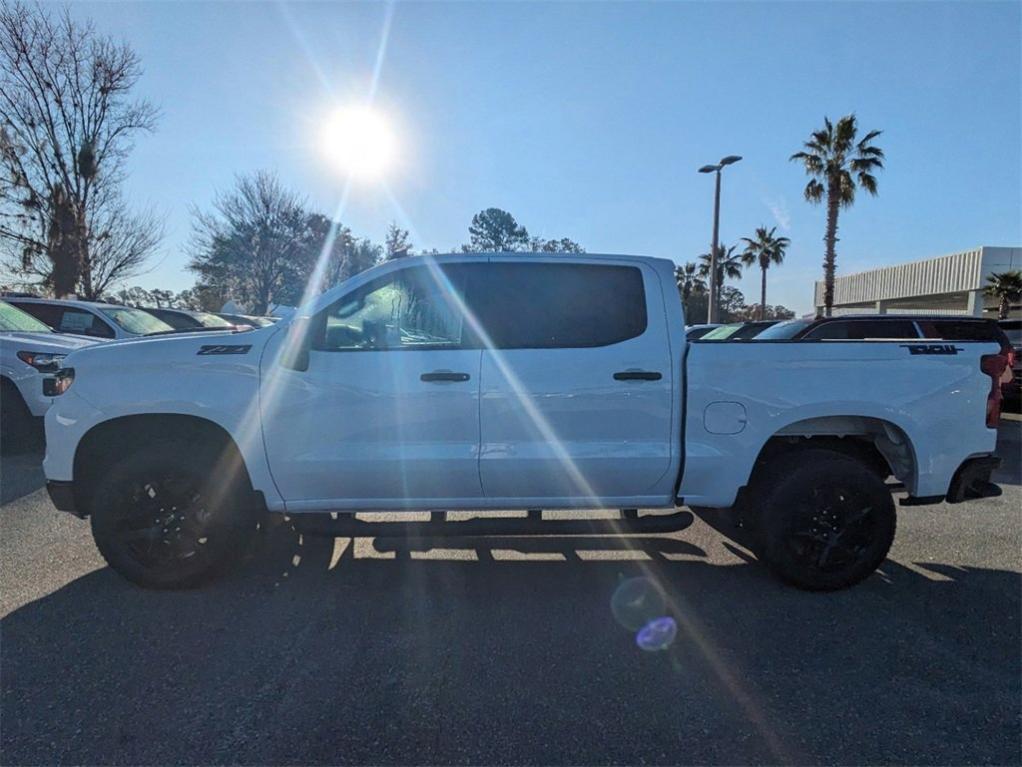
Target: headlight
[41, 361]
[60, 383]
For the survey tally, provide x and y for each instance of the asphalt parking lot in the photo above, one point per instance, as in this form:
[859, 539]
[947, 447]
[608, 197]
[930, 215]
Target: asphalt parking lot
[475, 651]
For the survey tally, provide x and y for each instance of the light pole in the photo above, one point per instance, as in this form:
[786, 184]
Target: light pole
[711, 311]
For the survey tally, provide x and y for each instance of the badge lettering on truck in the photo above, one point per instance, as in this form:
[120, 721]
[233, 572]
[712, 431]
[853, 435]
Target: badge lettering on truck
[932, 348]
[224, 349]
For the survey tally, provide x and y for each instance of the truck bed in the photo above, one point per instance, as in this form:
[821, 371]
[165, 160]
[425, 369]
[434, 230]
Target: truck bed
[914, 397]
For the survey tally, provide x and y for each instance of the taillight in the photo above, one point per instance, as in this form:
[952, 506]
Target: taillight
[995, 366]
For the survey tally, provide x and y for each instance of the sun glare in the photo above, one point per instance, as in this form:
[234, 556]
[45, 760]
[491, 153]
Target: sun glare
[359, 141]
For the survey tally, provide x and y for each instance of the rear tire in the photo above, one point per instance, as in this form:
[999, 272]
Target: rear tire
[163, 519]
[826, 520]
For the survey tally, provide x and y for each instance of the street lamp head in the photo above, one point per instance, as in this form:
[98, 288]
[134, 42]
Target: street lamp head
[709, 168]
[731, 159]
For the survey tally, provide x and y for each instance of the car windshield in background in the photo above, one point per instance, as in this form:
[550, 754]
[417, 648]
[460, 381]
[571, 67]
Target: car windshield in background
[750, 330]
[212, 321]
[784, 330]
[136, 321]
[12, 319]
[721, 334]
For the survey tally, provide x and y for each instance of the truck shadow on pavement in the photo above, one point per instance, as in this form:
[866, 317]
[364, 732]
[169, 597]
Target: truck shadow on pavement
[20, 475]
[388, 652]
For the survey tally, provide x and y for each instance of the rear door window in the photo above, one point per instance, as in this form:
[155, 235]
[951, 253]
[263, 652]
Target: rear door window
[557, 306]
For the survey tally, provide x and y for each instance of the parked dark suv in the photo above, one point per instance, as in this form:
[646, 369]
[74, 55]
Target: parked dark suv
[860, 327]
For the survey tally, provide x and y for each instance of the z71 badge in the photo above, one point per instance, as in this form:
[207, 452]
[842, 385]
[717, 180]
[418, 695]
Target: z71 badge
[225, 349]
[931, 348]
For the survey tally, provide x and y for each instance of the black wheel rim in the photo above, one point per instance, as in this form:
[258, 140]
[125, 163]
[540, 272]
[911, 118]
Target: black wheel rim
[163, 522]
[833, 530]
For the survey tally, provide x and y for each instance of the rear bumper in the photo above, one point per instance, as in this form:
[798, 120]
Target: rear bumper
[972, 480]
[63, 496]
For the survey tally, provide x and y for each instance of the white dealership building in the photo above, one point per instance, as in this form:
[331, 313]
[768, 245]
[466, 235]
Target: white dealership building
[952, 284]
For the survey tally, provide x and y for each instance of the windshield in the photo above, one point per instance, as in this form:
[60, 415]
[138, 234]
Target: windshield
[751, 330]
[13, 319]
[722, 333]
[136, 321]
[212, 321]
[783, 330]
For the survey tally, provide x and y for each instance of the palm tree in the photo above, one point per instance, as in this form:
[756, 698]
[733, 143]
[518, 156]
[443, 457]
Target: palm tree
[765, 248]
[837, 164]
[689, 281]
[729, 265]
[1007, 288]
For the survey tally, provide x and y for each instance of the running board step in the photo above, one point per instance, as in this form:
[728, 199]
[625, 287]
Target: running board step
[347, 525]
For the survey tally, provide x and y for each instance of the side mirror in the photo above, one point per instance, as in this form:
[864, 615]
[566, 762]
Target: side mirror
[297, 342]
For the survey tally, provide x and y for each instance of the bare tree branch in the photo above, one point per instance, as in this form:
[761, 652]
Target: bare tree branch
[67, 120]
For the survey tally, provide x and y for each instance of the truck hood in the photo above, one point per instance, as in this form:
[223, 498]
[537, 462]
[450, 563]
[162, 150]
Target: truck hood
[174, 349]
[51, 343]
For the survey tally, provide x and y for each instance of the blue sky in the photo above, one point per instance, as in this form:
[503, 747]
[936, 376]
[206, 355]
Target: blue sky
[589, 120]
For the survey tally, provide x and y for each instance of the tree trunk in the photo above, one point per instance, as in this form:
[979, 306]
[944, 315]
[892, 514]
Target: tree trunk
[89, 291]
[62, 244]
[762, 295]
[1004, 307]
[829, 258]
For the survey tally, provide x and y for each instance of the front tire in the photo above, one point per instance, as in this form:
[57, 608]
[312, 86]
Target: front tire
[164, 520]
[20, 431]
[827, 520]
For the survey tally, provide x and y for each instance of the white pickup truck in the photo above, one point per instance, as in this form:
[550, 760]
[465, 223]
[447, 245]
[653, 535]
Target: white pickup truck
[511, 381]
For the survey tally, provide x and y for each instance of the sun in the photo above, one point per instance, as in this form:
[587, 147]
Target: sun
[359, 141]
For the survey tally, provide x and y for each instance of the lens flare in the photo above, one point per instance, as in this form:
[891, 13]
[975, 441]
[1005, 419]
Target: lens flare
[657, 635]
[636, 602]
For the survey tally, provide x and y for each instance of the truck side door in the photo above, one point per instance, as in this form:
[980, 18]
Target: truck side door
[386, 415]
[576, 382]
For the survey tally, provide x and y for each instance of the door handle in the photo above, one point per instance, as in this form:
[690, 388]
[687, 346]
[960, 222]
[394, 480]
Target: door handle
[443, 375]
[637, 375]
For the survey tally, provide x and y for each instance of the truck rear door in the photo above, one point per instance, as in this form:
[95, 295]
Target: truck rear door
[576, 380]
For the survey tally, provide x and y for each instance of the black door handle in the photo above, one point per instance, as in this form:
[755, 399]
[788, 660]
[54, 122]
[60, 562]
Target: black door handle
[443, 375]
[637, 375]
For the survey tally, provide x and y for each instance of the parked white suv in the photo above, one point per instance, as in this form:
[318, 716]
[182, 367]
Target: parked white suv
[29, 353]
[92, 318]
